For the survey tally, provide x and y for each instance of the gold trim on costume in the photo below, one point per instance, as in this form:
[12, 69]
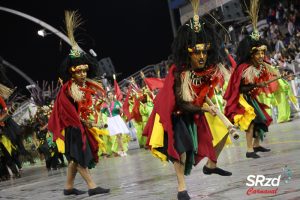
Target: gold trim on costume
[199, 47]
[79, 67]
[260, 48]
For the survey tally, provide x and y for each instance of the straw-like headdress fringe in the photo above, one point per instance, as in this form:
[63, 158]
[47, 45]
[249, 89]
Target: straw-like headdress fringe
[253, 13]
[5, 92]
[73, 21]
[195, 5]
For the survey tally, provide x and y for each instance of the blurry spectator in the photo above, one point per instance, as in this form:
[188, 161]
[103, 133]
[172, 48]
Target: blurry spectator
[271, 16]
[291, 27]
[279, 46]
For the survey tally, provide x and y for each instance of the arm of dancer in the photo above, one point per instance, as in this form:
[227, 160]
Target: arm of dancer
[188, 107]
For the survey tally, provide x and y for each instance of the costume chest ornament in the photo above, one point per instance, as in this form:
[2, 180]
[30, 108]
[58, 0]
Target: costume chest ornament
[76, 93]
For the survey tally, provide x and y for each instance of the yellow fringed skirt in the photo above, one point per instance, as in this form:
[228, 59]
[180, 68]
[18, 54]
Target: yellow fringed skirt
[243, 121]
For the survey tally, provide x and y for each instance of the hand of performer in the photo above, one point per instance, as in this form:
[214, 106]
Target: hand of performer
[211, 109]
[118, 107]
[87, 123]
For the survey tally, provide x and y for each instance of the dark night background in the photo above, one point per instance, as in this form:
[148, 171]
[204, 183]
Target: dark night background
[133, 33]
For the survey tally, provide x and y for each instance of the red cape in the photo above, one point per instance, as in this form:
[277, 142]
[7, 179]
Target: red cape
[64, 114]
[2, 103]
[135, 113]
[232, 95]
[126, 105]
[164, 105]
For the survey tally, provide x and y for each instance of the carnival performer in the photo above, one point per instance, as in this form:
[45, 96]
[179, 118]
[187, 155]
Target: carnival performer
[140, 107]
[178, 129]
[69, 120]
[10, 139]
[116, 125]
[145, 109]
[47, 147]
[284, 95]
[247, 81]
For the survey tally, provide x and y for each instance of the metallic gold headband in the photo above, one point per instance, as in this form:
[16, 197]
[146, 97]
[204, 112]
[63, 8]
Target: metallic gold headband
[78, 68]
[260, 48]
[199, 47]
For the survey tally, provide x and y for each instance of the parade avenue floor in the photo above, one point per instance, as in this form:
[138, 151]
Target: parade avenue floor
[141, 176]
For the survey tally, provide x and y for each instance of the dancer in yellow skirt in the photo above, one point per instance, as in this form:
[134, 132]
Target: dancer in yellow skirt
[247, 81]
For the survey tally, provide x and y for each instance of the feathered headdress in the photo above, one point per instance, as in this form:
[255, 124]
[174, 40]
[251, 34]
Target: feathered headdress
[5, 92]
[76, 59]
[253, 42]
[45, 94]
[195, 21]
[253, 13]
[195, 35]
[73, 21]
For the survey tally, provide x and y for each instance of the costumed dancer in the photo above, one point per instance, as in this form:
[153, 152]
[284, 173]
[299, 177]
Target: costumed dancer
[145, 109]
[127, 112]
[10, 139]
[283, 95]
[100, 122]
[46, 146]
[178, 129]
[144, 102]
[116, 125]
[141, 107]
[246, 83]
[69, 120]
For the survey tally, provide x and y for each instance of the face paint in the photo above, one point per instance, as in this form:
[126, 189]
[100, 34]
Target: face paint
[198, 59]
[79, 76]
[198, 55]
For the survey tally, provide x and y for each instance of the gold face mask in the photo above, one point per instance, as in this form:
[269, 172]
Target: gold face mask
[79, 73]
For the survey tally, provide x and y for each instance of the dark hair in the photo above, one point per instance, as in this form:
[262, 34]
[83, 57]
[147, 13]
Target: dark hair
[186, 37]
[82, 60]
[244, 49]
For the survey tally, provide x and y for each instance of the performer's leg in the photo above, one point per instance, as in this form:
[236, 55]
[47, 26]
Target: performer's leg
[218, 148]
[256, 142]
[71, 173]
[249, 139]
[211, 166]
[84, 172]
[120, 145]
[179, 169]
[93, 189]
[257, 147]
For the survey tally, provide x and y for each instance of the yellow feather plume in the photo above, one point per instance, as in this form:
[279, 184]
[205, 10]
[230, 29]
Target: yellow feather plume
[253, 12]
[73, 21]
[195, 5]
